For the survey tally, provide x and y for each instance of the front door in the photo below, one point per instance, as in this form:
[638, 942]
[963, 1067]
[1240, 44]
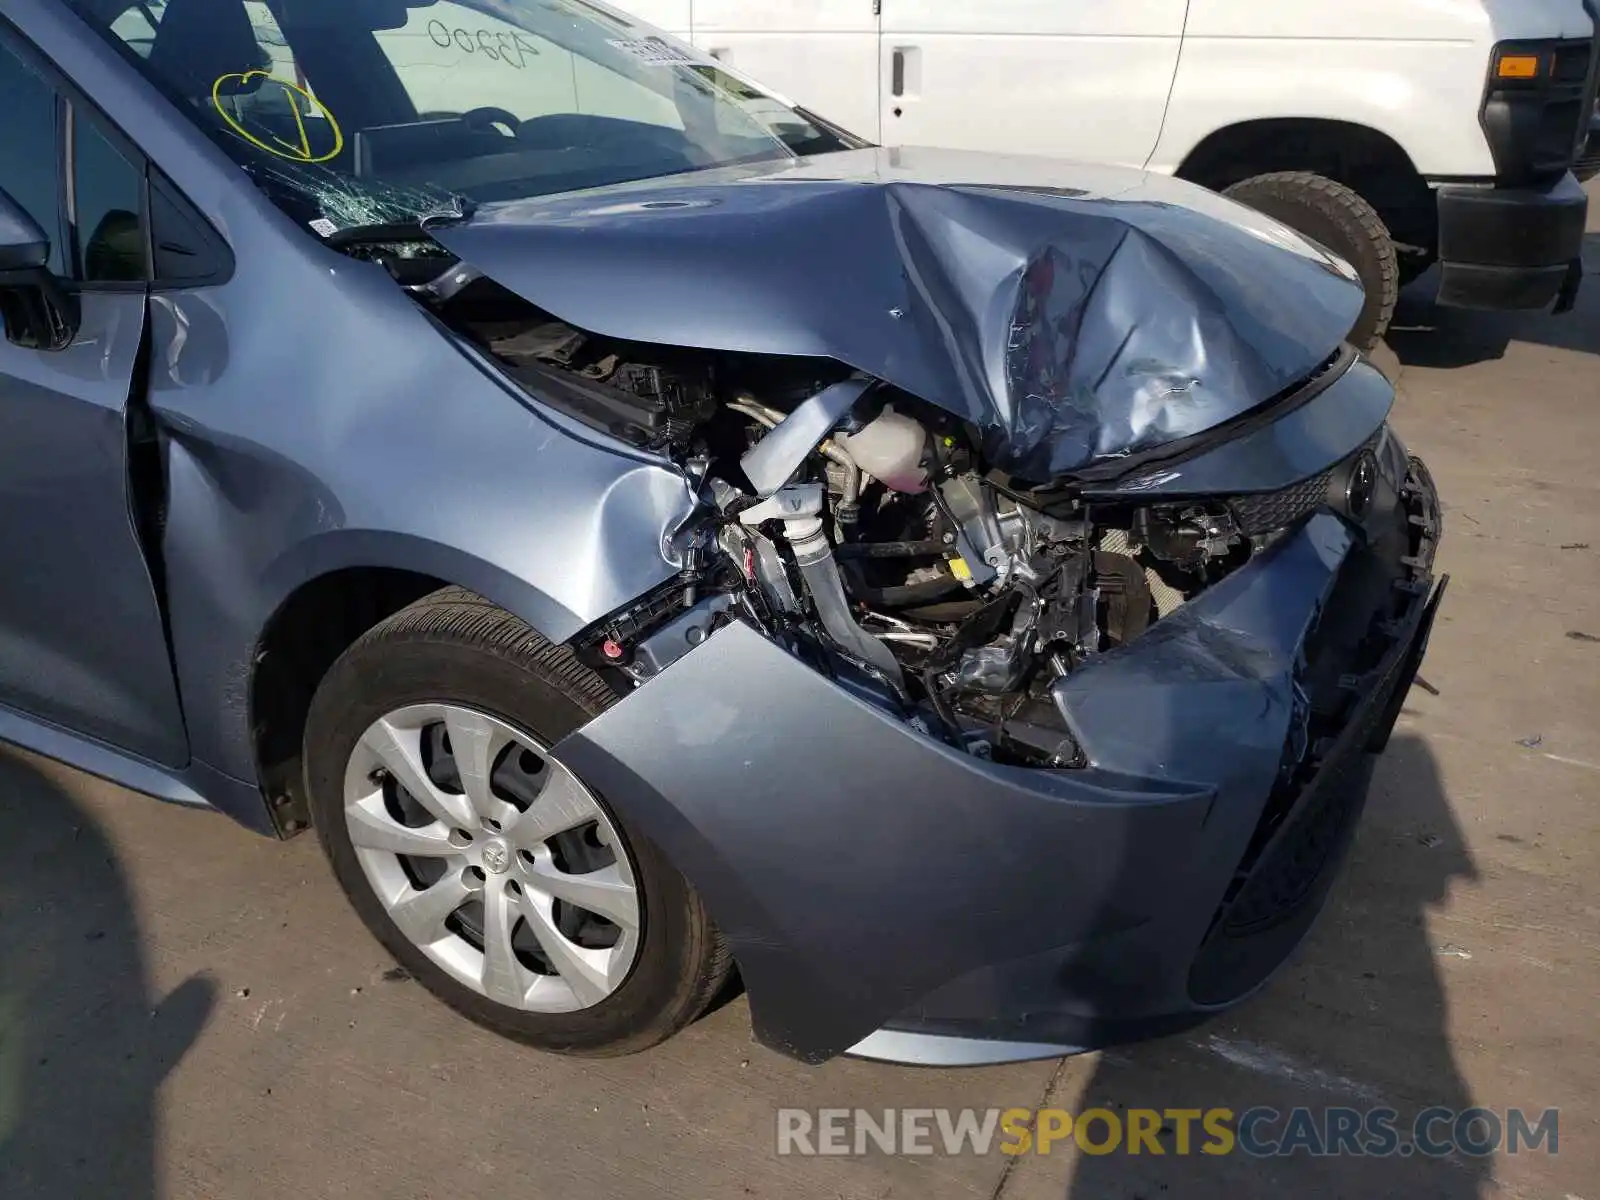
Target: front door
[82, 642]
[1080, 79]
[821, 54]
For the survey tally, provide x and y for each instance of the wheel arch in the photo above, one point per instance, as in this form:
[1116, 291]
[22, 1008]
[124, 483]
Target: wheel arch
[330, 592]
[1321, 144]
[1364, 158]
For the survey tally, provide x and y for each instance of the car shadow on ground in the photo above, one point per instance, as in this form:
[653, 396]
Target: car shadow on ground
[84, 1042]
[1367, 978]
[1425, 335]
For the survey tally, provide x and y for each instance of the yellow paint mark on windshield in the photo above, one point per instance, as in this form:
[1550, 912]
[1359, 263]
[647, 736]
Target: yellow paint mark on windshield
[301, 151]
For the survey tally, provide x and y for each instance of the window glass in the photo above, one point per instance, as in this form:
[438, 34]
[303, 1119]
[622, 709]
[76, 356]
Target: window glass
[29, 162]
[279, 103]
[279, 56]
[137, 25]
[521, 73]
[362, 113]
[107, 190]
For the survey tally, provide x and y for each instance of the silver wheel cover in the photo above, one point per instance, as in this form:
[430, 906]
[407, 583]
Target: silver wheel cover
[475, 881]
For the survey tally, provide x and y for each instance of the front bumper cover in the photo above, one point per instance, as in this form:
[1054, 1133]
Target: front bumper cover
[885, 893]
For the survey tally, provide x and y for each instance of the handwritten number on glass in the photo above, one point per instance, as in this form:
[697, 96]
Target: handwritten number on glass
[510, 48]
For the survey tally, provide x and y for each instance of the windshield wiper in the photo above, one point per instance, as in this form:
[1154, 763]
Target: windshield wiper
[381, 233]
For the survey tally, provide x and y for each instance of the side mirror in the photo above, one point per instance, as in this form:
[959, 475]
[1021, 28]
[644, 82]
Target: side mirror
[39, 313]
[23, 245]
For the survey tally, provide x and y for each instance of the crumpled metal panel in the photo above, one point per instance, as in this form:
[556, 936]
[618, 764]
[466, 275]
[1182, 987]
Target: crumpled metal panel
[1295, 445]
[1072, 313]
[1207, 693]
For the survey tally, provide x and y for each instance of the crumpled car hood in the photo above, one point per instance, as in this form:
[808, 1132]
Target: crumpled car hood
[1072, 313]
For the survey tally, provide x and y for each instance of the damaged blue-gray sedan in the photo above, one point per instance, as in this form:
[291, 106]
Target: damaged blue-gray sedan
[648, 533]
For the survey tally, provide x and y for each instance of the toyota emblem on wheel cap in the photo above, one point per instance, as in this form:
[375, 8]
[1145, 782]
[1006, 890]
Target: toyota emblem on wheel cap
[496, 857]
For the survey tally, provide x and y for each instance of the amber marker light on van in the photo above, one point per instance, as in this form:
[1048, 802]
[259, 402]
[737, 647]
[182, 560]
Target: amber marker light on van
[1518, 66]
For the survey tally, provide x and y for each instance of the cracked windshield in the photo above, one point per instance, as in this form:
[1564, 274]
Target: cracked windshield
[356, 113]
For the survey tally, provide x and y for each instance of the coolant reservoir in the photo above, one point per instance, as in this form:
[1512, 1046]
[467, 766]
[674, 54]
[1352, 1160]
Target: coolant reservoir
[890, 450]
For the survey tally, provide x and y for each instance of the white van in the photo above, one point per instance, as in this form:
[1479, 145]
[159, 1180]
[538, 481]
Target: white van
[1397, 132]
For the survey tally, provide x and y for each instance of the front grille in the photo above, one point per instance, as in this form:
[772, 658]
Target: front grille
[1571, 62]
[1271, 511]
[1278, 510]
[1573, 79]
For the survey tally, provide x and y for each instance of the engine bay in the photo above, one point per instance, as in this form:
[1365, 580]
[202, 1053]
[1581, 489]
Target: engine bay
[857, 526]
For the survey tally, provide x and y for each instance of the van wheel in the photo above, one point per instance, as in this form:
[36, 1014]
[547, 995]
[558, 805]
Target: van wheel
[485, 866]
[1336, 216]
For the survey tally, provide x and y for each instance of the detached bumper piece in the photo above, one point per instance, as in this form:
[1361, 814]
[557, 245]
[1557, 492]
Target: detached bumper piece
[1512, 248]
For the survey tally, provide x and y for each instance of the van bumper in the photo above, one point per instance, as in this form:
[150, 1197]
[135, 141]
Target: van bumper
[1512, 248]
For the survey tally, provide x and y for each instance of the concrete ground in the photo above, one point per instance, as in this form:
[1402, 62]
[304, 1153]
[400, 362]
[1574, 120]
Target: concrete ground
[188, 1011]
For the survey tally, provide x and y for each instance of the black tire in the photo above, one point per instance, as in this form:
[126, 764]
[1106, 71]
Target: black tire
[1336, 216]
[455, 647]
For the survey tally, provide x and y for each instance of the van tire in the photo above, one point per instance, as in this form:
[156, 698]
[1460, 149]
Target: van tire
[1336, 216]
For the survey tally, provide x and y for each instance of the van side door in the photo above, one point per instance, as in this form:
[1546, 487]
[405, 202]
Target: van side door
[1080, 79]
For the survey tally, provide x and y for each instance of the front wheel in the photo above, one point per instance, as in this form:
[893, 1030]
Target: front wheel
[1335, 215]
[485, 866]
